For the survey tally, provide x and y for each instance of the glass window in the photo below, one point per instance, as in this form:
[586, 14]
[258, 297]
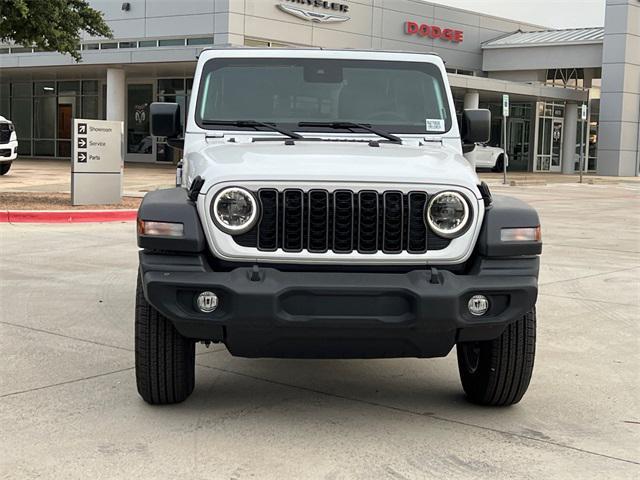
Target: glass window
[24, 147]
[69, 88]
[90, 107]
[91, 46]
[200, 41]
[44, 148]
[64, 148]
[147, 43]
[89, 87]
[44, 88]
[397, 96]
[21, 89]
[4, 50]
[139, 139]
[171, 42]
[546, 137]
[108, 46]
[44, 117]
[21, 116]
[21, 49]
[128, 45]
[171, 86]
[4, 100]
[4, 107]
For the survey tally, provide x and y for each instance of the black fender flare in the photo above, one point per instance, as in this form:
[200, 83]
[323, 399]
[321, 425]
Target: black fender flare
[507, 212]
[174, 206]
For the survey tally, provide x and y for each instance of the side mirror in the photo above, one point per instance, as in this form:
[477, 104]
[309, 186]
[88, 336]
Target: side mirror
[476, 126]
[165, 119]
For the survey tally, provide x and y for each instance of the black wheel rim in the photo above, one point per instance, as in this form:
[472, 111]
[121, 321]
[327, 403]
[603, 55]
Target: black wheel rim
[471, 356]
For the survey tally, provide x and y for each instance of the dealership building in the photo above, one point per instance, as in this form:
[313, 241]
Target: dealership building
[548, 74]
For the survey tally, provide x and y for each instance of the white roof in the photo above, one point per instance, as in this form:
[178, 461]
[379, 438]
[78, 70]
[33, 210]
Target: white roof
[573, 36]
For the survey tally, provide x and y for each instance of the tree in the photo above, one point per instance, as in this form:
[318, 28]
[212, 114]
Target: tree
[52, 25]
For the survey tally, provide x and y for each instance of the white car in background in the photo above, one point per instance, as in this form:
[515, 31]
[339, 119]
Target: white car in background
[484, 156]
[8, 145]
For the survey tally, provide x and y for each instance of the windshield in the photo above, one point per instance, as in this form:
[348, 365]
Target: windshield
[401, 97]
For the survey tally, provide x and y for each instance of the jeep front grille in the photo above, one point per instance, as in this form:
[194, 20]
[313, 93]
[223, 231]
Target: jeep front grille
[341, 221]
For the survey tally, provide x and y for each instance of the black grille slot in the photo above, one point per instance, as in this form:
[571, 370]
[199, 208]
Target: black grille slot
[342, 221]
[268, 228]
[416, 229]
[393, 222]
[368, 217]
[318, 231]
[293, 220]
[343, 209]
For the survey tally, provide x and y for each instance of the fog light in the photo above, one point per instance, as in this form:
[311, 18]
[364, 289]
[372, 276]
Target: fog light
[478, 305]
[207, 302]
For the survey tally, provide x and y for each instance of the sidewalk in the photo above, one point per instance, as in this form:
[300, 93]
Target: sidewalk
[31, 175]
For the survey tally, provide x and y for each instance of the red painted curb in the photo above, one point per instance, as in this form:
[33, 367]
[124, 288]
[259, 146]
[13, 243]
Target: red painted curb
[66, 216]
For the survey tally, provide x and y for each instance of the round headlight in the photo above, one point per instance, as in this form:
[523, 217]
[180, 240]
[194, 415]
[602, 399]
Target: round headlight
[447, 214]
[234, 210]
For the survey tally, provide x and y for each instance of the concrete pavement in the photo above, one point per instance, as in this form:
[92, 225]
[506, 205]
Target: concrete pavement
[69, 409]
[36, 175]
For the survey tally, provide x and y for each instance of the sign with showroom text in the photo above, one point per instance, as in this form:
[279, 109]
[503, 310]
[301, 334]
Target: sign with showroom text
[433, 31]
[97, 161]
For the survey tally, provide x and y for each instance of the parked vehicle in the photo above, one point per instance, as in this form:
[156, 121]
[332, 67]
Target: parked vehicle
[8, 145]
[485, 156]
[326, 211]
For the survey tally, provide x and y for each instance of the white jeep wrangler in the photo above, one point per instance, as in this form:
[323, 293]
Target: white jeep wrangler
[8, 145]
[326, 211]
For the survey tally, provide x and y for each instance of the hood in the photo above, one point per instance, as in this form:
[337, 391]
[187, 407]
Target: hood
[4, 120]
[328, 161]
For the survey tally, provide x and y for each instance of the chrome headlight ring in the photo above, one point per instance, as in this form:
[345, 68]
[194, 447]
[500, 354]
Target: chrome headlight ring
[234, 210]
[459, 209]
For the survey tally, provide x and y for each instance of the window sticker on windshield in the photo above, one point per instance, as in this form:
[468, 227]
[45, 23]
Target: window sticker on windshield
[434, 125]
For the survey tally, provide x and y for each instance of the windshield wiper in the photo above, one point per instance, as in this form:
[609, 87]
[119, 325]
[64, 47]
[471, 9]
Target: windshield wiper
[255, 124]
[352, 125]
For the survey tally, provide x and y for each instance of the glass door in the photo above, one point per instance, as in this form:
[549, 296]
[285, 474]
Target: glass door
[518, 146]
[556, 146]
[140, 144]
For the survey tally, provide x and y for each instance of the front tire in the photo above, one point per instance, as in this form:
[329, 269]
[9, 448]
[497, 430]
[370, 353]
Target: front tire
[4, 167]
[497, 372]
[165, 360]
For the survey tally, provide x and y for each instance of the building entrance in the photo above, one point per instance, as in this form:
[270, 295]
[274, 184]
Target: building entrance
[140, 144]
[549, 134]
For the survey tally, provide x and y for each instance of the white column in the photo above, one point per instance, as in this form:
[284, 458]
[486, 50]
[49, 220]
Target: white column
[570, 137]
[116, 94]
[471, 100]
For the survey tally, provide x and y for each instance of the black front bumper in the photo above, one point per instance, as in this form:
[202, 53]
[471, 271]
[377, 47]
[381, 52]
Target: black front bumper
[268, 312]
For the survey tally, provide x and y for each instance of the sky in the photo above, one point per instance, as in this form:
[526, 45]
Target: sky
[550, 13]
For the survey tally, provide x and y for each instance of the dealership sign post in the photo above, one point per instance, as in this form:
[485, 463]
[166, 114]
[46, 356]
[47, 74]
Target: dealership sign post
[505, 115]
[96, 163]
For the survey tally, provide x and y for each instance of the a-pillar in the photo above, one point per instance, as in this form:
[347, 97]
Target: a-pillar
[116, 94]
[570, 136]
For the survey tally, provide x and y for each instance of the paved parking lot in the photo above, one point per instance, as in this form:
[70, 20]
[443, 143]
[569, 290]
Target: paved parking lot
[69, 409]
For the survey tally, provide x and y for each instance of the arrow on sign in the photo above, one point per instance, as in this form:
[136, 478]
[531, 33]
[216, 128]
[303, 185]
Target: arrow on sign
[82, 142]
[82, 157]
[82, 128]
